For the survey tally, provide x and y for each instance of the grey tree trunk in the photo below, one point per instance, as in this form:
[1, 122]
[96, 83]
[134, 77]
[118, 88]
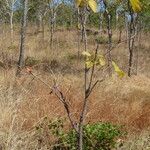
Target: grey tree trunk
[43, 29]
[21, 61]
[100, 22]
[52, 21]
[11, 22]
[85, 101]
[109, 32]
[131, 40]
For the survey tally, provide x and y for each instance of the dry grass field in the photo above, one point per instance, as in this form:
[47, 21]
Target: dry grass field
[25, 101]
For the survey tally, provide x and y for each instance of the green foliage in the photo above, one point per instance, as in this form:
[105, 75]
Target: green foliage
[93, 20]
[145, 15]
[98, 136]
[65, 16]
[48, 132]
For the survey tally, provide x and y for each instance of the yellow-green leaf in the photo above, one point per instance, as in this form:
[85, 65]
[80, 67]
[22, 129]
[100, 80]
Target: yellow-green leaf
[79, 26]
[78, 2]
[84, 53]
[136, 5]
[101, 60]
[93, 5]
[118, 70]
[89, 64]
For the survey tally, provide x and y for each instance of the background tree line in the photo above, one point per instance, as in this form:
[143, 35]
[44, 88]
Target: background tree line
[65, 12]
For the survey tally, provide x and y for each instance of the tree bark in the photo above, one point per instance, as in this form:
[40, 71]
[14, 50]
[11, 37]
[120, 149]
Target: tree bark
[109, 32]
[52, 21]
[21, 61]
[84, 108]
[100, 22]
[11, 22]
[131, 40]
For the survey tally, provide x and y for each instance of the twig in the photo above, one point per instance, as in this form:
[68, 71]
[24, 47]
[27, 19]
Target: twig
[93, 68]
[61, 97]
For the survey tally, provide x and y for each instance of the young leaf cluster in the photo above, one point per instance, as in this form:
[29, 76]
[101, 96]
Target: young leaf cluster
[91, 3]
[91, 60]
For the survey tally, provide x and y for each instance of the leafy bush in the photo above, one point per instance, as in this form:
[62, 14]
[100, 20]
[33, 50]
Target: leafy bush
[98, 136]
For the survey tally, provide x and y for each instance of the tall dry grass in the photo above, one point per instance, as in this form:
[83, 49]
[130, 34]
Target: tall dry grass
[24, 102]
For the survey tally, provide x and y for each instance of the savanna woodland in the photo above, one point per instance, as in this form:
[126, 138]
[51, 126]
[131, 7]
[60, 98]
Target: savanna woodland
[74, 74]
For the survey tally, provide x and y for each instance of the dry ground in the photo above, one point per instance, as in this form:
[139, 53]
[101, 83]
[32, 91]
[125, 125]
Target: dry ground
[24, 102]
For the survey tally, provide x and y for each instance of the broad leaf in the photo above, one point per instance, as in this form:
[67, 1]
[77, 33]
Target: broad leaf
[118, 70]
[78, 2]
[93, 5]
[136, 5]
[84, 53]
[89, 64]
[101, 60]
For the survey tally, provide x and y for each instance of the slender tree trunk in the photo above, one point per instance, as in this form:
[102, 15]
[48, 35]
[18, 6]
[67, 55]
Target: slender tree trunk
[100, 22]
[82, 17]
[109, 32]
[83, 111]
[120, 34]
[11, 26]
[131, 40]
[139, 37]
[43, 29]
[21, 61]
[52, 20]
[78, 28]
[126, 30]
[37, 24]
[131, 46]
[51, 35]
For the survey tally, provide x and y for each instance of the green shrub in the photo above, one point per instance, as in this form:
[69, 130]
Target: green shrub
[98, 136]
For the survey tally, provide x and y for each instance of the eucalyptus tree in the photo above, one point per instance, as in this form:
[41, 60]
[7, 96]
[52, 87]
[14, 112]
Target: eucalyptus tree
[134, 6]
[53, 8]
[21, 61]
